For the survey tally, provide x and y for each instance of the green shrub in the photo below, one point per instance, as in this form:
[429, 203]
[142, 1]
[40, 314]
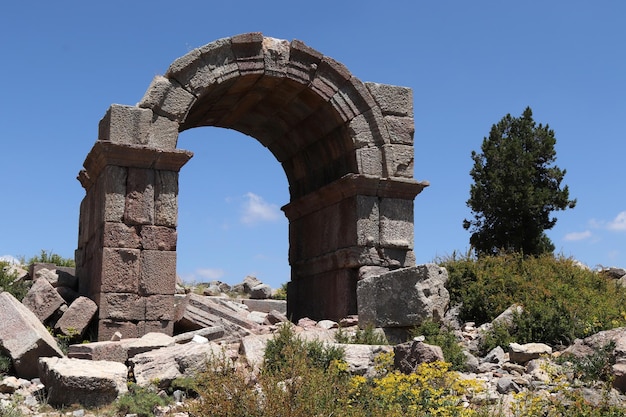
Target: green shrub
[367, 336]
[286, 344]
[140, 401]
[442, 336]
[9, 284]
[280, 293]
[51, 258]
[550, 289]
[596, 366]
[5, 364]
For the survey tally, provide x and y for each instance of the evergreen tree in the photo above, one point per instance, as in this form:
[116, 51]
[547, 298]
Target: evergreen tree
[516, 188]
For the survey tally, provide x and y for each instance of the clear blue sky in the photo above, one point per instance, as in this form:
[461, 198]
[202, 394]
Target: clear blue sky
[468, 63]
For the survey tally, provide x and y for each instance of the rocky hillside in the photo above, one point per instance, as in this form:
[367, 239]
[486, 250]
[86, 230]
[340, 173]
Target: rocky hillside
[85, 377]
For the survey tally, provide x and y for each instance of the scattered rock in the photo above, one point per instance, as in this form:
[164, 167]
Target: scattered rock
[407, 356]
[524, 353]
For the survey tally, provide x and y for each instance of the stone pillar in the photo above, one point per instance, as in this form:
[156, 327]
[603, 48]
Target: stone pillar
[126, 256]
[339, 231]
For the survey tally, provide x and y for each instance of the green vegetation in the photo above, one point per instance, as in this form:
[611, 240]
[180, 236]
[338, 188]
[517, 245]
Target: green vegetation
[366, 336]
[550, 289]
[9, 283]
[596, 366]
[280, 293]
[442, 336]
[285, 344]
[516, 188]
[50, 257]
[299, 380]
[139, 401]
[5, 364]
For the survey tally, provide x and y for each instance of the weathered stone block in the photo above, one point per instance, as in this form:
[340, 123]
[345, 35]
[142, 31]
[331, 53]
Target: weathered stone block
[119, 235]
[43, 299]
[23, 337]
[167, 98]
[100, 351]
[158, 272]
[107, 329]
[275, 56]
[396, 223]
[159, 326]
[370, 160]
[401, 129]
[166, 364]
[403, 297]
[122, 306]
[139, 207]
[120, 270]
[399, 160]
[163, 133]
[392, 99]
[77, 381]
[125, 124]
[160, 307]
[77, 317]
[158, 238]
[166, 198]
[367, 226]
[114, 188]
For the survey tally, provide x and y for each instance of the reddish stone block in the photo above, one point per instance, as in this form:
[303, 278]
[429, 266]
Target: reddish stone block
[139, 207]
[120, 270]
[107, 328]
[122, 306]
[119, 235]
[158, 238]
[158, 326]
[160, 307]
[158, 272]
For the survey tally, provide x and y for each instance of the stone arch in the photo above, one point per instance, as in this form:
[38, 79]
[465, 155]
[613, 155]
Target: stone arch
[346, 148]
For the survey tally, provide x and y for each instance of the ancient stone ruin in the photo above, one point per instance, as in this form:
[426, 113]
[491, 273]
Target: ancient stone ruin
[346, 148]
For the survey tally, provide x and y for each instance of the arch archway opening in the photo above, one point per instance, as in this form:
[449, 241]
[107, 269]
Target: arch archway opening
[229, 220]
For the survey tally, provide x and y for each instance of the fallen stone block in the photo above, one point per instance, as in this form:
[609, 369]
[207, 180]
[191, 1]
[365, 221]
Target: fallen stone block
[43, 299]
[407, 356]
[160, 367]
[261, 292]
[527, 352]
[120, 350]
[211, 333]
[77, 317]
[266, 306]
[23, 337]
[76, 381]
[99, 351]
[403, 297]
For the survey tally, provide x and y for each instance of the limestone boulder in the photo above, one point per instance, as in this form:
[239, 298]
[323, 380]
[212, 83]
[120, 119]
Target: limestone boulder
[23, 337]
[361, 359]
[524, 353]
[407, 356]
[260, 292]
[43, 299]
[164, 365]
[403, 297]
[78, 381]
